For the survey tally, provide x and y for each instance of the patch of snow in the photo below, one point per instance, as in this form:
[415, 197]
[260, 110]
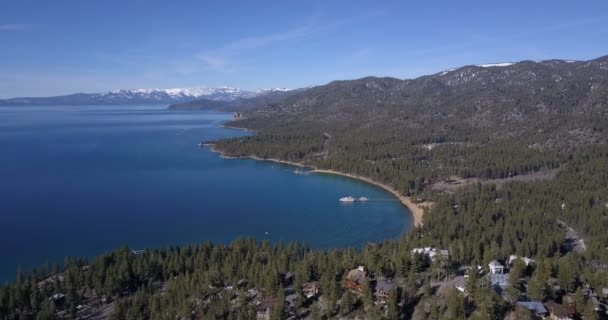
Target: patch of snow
[447, 71]
[267, 90]
[502, 64]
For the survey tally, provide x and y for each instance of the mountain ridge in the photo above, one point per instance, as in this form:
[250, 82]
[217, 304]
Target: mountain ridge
[145, 96]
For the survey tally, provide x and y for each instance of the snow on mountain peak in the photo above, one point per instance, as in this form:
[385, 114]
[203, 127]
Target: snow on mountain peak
[501, 64]
[267, 90]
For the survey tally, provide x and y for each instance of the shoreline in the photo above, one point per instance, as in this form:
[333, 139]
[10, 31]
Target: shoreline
[239, 128]
[417, 209]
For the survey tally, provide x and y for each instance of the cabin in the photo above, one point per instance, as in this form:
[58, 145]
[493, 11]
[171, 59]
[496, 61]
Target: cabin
[311, 289]
[496, 267]
[355, 279]
[557, 311]
[382, 289]
[536, 307]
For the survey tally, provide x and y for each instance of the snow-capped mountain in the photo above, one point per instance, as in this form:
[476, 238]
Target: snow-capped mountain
[146, 96]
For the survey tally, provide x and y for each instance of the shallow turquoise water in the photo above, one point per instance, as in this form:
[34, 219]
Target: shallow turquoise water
[80, 181]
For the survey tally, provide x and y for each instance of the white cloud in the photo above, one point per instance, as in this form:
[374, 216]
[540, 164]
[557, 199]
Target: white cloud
[220, 59]
[216, 63]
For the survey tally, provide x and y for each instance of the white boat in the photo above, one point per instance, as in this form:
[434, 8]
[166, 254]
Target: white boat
[363, 199]
[347, 199]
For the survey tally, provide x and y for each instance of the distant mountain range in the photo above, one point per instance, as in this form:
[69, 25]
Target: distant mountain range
[261, 99]
[146, 96]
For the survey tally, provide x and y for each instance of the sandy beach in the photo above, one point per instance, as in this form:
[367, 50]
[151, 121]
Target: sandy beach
[417, 209]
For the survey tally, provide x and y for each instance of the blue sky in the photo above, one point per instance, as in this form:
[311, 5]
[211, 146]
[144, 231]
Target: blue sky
[60, 47]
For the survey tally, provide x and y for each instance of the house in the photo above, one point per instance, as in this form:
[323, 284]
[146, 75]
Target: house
[569, 304]
[499, 279]
[311, 289]
[431, 252]
[526, 260]
[460, 284]
[355, 279]
[535, 307]
[557, 311]
[382, 289]
[496, 267]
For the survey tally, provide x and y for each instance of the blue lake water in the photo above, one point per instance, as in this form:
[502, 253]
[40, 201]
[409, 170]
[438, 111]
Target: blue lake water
[80, 181]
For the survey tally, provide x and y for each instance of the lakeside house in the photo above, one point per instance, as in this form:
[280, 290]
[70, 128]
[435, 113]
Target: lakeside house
[355, 279]
[536, 307]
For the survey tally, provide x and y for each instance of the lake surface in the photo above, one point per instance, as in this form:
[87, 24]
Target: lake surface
[81, 181]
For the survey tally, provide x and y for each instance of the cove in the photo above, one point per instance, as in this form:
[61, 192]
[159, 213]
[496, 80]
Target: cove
[84, 180]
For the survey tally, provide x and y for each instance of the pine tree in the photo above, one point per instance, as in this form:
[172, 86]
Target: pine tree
[347, 303]
[537, 289]
[279, 308]
[588, 312]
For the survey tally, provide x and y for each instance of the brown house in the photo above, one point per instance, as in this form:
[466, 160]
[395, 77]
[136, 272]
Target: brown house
[355, 279]
[557, 311]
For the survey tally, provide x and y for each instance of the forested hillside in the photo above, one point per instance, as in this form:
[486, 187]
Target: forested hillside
[487, 122]
[546, 236]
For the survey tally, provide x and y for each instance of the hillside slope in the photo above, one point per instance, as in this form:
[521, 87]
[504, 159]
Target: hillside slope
[474, 121]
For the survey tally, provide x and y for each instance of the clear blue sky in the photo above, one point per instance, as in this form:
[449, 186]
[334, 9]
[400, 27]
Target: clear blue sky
[59, 47]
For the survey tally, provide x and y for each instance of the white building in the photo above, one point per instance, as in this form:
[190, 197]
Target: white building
[431, 252]
[496, 267]
[526, 260]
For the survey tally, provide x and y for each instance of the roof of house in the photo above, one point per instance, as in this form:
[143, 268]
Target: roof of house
[557, 309]
[356, 275]
[535, 306]
[383, 285]
[494, 264]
